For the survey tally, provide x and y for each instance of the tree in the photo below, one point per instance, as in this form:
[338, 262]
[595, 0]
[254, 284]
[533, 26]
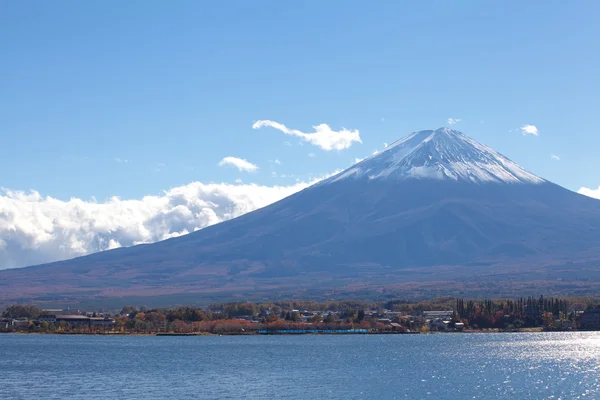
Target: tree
[548, 319]
[329, 319]
[518, 323]
[140, 316]
[139, 325]
[129, 310]
[22, 311]
[361, 315]
[295, 316]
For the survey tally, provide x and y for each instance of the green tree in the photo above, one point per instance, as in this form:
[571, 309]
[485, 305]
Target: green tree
[329, 319]
[22, 311]
[361, 315]
[129, 310]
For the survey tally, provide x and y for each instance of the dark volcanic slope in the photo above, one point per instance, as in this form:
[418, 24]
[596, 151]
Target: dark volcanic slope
[440, 200]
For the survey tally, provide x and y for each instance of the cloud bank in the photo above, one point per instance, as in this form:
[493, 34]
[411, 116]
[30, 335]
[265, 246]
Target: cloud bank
[323, 136]
[35, 229]
[595, 193]
[239, 163]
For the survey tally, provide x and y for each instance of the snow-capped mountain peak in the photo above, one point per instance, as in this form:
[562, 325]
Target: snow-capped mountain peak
[443, 154]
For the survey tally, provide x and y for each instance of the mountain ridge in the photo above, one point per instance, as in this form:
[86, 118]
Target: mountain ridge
[440, 154]
[481, 216]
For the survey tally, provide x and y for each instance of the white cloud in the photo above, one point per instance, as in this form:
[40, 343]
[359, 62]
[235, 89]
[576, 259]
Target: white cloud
[595, 193]
[239, 163]
[385, 145]
[113, 244]
[277, 161]
[323, 137]
[554, 157]
[453, 121]
[312, 155]
[36, 229]
[122, 160]
[529, 130]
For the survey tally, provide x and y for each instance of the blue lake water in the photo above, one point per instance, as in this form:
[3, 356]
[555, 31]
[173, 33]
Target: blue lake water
[444, 366]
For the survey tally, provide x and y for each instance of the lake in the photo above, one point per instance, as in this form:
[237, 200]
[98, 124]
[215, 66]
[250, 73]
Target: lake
[441, 366]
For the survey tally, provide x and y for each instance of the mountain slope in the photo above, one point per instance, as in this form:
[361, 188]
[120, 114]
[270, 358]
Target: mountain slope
[429, 202]
[442, 154]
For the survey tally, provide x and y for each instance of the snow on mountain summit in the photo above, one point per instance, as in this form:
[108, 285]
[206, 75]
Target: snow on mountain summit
[443, 154]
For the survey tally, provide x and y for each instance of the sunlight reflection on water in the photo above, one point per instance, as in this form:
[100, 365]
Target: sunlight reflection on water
[445, 366]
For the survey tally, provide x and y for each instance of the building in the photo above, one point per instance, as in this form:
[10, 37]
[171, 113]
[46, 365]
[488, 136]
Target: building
[21, 323]
[440, 325]
[438, 320]
[78, 321]
[392, 314]
[6, 323]
[14, 323]
[73, 320]
[396, 327]
[49, 318]
[105, 323]
[438, 314]
[590, 319]
[55, 311]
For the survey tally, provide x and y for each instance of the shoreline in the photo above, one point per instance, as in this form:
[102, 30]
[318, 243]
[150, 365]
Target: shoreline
[179, 334]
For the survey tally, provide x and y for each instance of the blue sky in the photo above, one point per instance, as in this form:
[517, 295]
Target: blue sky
[85, 84]
[126, 122]
[173, 88]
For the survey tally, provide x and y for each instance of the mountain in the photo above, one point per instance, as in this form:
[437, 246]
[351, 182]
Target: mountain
[443, 154]
[435, 212]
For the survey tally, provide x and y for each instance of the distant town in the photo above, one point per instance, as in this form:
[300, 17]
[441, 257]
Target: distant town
[297, 317]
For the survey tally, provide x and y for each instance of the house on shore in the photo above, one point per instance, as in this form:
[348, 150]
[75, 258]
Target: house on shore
[6, 323]
[590, 319]
[438, 314]
[78, 321]
[441, 321]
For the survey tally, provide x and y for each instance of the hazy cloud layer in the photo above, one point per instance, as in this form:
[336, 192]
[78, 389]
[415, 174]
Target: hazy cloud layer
[239, 163]
[36, 229]
[323, 136]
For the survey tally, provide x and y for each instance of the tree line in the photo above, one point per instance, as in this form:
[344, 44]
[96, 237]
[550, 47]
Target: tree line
[349, 314]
